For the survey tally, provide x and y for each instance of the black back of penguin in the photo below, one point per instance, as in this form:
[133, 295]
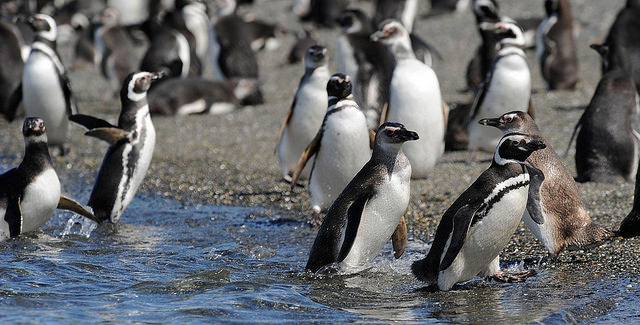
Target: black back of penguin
[625, 31]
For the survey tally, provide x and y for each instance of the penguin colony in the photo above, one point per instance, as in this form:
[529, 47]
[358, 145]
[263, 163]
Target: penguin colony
[358, 136]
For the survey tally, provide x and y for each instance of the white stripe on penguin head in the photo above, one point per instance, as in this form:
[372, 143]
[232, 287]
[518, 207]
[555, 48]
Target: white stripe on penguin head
[50, 34]
[131, 93]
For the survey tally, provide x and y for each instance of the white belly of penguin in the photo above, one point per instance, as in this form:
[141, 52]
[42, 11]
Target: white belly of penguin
[344, 149]
[40, 200]
[43, 96]
[128, 187]
[487, 238]
[379, 220]
[509, 90]
[311, 105]
[416, 102]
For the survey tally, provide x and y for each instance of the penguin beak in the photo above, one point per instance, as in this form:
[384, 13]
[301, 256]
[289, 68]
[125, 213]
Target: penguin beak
[158, 75]
[495, 122]
[377, 36]
[406, 135]
[534, 145]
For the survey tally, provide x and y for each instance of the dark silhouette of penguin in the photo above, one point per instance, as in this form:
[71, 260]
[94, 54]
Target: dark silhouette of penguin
[11, 65]
[625, 32]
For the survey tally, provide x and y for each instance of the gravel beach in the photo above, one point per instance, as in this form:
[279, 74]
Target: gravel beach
[229, 159]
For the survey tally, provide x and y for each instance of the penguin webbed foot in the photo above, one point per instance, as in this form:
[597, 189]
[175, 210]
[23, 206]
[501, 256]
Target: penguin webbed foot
[512, 277]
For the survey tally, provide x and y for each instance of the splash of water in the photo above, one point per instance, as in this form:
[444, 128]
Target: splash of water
[86, 226]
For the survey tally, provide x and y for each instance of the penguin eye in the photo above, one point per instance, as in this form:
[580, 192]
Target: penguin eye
[508, 119]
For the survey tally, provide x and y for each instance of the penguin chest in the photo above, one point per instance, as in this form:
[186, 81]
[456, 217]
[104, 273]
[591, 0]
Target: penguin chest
[379, 220]
[40, 200]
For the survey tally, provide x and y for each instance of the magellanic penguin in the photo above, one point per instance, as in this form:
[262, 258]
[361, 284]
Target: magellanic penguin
[415, 99]
[130, 151]
[30, 193]
[402, 10]
[196, 19]
[487, 14]
[305, 114]
[11, 65]
[340, 148]
[478, 225]
[607, 143]
[557, 202]
[506, 87]
[555, 46]
[45, 88]
[625, 32]
[369, 211]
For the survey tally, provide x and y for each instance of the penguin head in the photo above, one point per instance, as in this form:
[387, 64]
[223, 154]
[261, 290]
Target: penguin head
[389, 32]
[507, 31]
[486, 10]
[516, 148]
[33, 130]
[353, 21]
[393, 132]
[44, 26]
[316, 56]
[339, 86]
[136, 85]
[509, 122]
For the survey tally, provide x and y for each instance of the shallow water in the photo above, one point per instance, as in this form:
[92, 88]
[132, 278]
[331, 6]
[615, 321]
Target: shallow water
[169, 262]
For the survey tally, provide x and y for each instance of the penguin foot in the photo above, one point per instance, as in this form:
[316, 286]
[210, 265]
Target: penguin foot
[512, 277]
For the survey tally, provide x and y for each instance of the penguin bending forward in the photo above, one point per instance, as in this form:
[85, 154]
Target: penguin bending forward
[130, 151]
[30, 193]
[478, 225]
[370, 209]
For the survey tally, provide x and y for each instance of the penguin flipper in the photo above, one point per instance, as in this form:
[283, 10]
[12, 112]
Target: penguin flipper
[90, 122]
[311, 150]
[111, 135]
[68, 97]
[533, 202]
[445, 114]
[67, 203]
[12, 103]
[354, 214]
[285, 122]
[479, 96]
[399, 238]
[13, 215]
[461, 224]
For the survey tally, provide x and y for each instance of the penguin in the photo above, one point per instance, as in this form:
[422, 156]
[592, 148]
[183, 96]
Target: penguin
[264, 35]
[402, 10]
[555, 46]
[487, 14]
[305, 114]
[607, 142]
[370, 209]
[196, 19]
[11, 65]
[478, 225]
[557, 201]
[130, 151]
[45, 87]
[132, 12]
[325, 12]
[30, 193]
[415, 99]
[625, 32]
[506, 87]
[340, 148]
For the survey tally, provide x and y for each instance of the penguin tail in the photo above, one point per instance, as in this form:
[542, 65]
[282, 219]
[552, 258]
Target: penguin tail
[630, 226]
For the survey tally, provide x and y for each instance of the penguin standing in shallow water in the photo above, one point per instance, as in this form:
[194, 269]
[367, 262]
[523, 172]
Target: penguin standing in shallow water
[555, 46]
[478, 225]
[30, 193]
[45, 88]
[340, 148]
[557, 202]
[369, 211]
[506, 87]
[415, 99]
[130, 152]
[305, 114]
[607, 143]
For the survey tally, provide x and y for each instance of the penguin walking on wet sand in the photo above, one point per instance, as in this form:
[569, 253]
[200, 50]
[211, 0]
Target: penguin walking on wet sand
[45, 88]
[625, 32]
[340, 148]
[415, 99]
[30, 193]
[607, 142]
[555, 46]
[305, 114]
[478, 225]
[555, 211]
[130, 151]
[505, 88]
[370, 210]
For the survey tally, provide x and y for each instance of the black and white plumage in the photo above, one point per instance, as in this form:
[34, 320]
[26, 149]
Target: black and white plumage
[325, 12]
[131, 148]
[625, 32]
[486, 13]
[30, 193]
[11, 65]
[306, 113]
[555, 46]
[340, 148]
[415, 99]
[369, 211]
[45, 89]
[478, 225]
[402, 10]
[607, 142]
[557, 201]
[505, 88]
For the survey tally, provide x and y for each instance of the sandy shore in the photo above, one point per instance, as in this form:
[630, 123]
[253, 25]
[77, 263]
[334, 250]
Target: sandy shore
[229, 159]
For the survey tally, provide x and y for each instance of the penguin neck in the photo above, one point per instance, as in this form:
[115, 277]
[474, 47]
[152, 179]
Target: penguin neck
[311, 70]
[36, 155]
[390, 155]
[401, 49]
[501, 161]
[617, 60]
[130, 110]
[49, 43]
[339, 103]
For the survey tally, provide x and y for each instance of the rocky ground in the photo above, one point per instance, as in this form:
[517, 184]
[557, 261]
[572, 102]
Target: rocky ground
[229, 160]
